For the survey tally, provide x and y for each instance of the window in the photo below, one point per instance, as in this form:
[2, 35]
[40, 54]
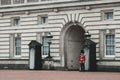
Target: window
[17, 46]
[18, 1]
[16, 21]
[45, 47]
[108, 15]
[5, 2]
[32, 1]
[110, 45]
[42, 20]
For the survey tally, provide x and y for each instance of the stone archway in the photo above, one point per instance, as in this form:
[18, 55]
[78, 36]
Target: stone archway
[73, 43]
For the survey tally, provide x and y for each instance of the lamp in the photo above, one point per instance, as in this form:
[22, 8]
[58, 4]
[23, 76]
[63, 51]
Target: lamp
[87, 39]
[49, 58]
[49, 36]
[87, 35]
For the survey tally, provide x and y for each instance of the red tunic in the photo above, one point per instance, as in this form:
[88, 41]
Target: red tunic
[82, 58]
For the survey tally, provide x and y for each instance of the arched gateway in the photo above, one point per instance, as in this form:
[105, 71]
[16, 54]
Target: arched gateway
[72, 43]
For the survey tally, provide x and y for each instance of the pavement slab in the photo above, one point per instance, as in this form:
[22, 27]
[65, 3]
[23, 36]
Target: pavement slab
[56, 75]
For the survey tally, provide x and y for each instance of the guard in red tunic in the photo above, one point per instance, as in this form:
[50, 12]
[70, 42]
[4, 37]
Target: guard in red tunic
[82, 61]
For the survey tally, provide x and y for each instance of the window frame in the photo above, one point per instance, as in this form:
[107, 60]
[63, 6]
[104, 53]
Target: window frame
[14, 21]
[40, 19]
[104, 18]
[110, 33]
[15, 37]
[43, 39]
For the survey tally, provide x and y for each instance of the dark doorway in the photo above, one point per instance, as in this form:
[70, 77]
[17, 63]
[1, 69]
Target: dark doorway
[73, 43]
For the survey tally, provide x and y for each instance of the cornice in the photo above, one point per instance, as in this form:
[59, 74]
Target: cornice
[49, 5]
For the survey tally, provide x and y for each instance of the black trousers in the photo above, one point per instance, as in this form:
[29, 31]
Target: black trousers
[82, 66]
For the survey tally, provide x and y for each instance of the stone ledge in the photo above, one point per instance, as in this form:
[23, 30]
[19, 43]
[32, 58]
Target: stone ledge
[108, 68]
[14, 66]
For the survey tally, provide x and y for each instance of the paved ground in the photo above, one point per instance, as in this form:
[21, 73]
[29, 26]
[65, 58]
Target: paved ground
[57, 75]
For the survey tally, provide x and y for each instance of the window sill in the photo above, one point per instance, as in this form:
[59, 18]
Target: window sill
[108, 58]
[17, 57]
[44, 56]
[109, 20]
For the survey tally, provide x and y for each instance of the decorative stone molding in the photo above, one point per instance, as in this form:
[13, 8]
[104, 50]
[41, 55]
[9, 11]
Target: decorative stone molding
[87, 7]
[27, 12]
[55, 10]
[1, 14]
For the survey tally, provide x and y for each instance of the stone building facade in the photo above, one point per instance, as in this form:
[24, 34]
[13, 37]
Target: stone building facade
[67, 20]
